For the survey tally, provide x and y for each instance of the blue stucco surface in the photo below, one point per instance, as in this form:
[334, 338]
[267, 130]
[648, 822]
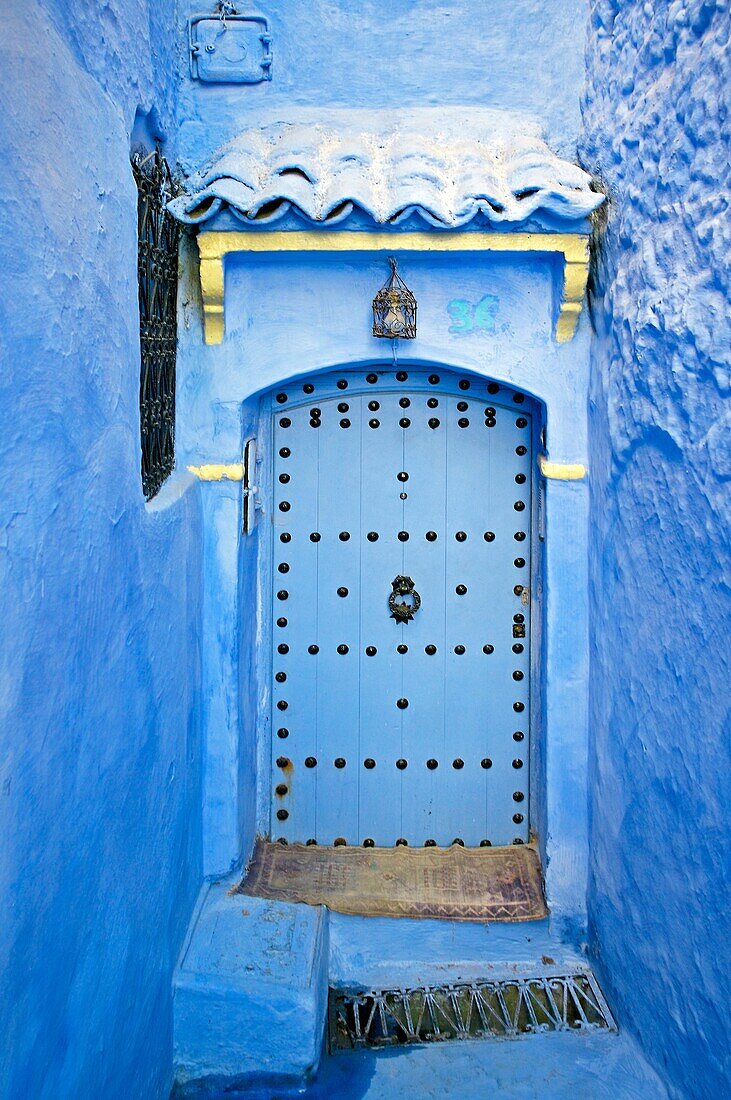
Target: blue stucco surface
[510, 55]
[99, 750]
[251, 990]
[548, 1067]
[657, 130]
[384, 952]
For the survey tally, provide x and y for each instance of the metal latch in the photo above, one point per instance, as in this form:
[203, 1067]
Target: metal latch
[250, 489]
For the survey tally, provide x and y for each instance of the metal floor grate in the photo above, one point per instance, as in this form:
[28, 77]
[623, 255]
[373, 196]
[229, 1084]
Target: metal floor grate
[477, 1010]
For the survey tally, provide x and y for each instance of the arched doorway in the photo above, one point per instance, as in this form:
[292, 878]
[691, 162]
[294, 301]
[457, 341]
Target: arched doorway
[402, 551]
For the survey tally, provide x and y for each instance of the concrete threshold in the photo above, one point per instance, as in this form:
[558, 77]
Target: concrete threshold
[250, 1008]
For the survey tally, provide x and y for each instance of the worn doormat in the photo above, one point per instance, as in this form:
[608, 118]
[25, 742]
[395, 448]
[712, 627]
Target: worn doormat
[467, 884]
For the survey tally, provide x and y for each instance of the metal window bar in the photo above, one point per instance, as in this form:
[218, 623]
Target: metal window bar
[504, 1009]
[157, 273]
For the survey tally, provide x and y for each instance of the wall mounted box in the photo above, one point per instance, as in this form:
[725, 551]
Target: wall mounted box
[234, 50]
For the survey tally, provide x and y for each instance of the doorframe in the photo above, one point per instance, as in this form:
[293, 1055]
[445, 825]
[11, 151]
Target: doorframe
[537, 778]
[215, 245]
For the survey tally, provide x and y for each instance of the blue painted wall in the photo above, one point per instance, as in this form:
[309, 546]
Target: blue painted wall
[514, 55]
[99, 752]
[658, 116]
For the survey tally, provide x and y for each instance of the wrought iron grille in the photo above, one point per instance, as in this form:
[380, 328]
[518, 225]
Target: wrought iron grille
[157, 271]
[477, 1010]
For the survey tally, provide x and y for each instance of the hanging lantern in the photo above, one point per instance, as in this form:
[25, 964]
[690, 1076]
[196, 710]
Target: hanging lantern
[394, 308]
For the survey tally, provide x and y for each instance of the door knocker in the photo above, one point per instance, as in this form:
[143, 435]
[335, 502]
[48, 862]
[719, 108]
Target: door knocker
[400, 610]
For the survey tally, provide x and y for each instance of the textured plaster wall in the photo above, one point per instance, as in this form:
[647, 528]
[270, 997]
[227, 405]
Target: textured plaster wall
[658, 131]
[517, 55]
[99, 772]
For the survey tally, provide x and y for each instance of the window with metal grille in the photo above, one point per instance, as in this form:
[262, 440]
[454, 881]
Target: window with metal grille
[157, 271]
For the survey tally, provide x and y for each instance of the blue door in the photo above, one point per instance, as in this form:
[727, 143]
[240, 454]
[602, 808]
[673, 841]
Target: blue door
[401, 610]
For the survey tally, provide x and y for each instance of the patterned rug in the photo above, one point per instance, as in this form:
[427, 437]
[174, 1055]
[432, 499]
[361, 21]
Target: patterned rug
[467, 884]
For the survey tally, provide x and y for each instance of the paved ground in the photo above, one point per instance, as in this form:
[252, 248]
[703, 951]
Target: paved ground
[551, 1067]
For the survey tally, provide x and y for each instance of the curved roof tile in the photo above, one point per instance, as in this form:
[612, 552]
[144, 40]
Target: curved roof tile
[447, 165]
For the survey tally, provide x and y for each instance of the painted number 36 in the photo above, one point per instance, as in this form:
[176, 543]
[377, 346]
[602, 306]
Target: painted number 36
[468, 317]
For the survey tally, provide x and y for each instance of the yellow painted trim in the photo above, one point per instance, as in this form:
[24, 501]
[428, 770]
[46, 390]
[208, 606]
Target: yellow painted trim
[214, 246]
[217, 471]
[561, 471]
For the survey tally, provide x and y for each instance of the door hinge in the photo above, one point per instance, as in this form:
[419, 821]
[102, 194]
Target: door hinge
[250, 489]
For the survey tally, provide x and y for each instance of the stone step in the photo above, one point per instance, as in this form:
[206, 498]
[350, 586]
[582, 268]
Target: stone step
[251, 988]
[250, 991]
[386, 953]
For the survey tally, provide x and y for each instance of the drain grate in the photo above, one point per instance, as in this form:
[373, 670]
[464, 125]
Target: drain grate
[476, 1010]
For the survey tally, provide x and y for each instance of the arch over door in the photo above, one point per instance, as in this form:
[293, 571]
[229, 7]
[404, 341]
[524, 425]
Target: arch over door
[389, 728]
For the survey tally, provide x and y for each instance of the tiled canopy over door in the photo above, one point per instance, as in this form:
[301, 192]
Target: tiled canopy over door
[388, 731]
[454, 168]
